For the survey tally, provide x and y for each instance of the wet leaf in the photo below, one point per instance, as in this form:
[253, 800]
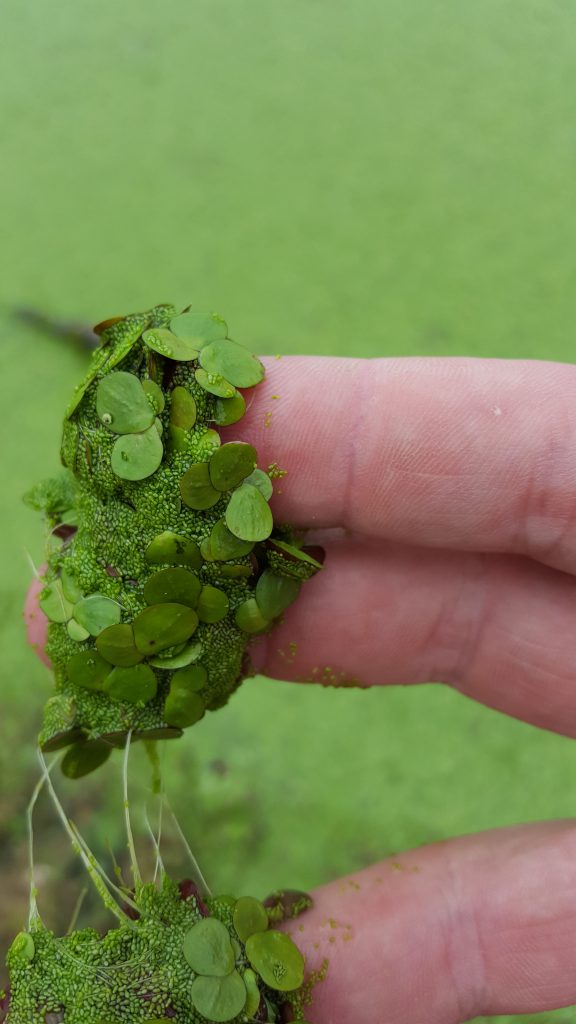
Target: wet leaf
[169, 345]
[162, 626]
[277, 960]
[173, 549]
[84, 758]
[116, 645]
[136, 684]
[95, 612]
[248, 515]
[249, 917]
[207, 948]
[196, 487]
[232, 361]
[122, 405]
[178, 586]
[219, 999]
[137, 456]
[231, 464]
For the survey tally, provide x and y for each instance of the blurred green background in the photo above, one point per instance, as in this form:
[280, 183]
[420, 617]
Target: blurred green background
[384, 177]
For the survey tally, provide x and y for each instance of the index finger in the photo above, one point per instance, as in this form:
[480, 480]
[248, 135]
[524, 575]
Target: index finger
[468, 454]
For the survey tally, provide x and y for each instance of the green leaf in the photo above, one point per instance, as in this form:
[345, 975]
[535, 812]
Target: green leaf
[190, 654]
[70, 587]
[83, 758]
[88, 669]
[231, 464]
[173, 549]
[76, 631]
[137, 456]
[229, 410]
[232, 361]
[182, 409]
[262, 481]
[116, 645]
[212, 605]
[155, 395]
[169, 345]
[196, 487]
[54, 604]
[95, 612]
[249, 917]
[224, 546]
[162, 626]
[177, 586]
[219, 999]
[249, 618]
[215, 384]
[136, 685]
[122, 405]
[274, 593]
[22, 947]
[248, 515]
[277, 960]
[288, 560]
[192, 678]
[183, 707]
[207, 948]
[199, 328]
[252, 993]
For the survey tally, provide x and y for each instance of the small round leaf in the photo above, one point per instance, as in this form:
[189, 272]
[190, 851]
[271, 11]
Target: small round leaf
[96, 612]
[88, 669]
[231, 464]
[249, 617]
[196, 487]
[248, 515]
[169, 345]
[22, 947]
[137, 456]
[219, 999]
[223, 545]
[84, 757]
[177, 586]
[262, 481]
[116, 645]
[136, 685]
[252, 993]
[122, 405]
[274, 593]
[233, 362]
[277, 960]
[182, 409]
[76, 631]
[54, 604]
[155, 395]
[215, 384]
[199, 328]
[187, 656]
[173, 549]
[183, 708]
[249, 917]
[162, 626]
[212, 604]
[229, 410]
[207, 948]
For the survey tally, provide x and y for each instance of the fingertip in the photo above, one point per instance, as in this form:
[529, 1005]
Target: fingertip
[36, 622]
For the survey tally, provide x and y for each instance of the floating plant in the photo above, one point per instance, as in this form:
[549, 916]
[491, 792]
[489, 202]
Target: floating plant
[164, 555]
[176, 953]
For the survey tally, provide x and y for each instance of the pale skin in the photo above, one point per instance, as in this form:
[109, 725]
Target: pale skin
[448, 487]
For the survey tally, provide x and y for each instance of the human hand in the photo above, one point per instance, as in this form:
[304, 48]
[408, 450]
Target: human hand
[451, 487]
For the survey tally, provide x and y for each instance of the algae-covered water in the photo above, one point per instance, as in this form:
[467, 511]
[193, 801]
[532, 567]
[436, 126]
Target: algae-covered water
[384, 177]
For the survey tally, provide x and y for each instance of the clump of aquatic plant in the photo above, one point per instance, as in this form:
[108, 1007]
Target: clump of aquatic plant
[176, 953]
[163, 560]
